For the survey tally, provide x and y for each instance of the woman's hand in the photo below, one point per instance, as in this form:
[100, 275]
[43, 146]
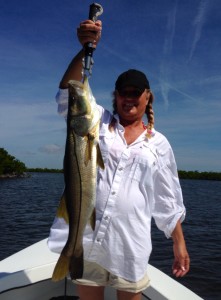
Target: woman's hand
[89, 32]
[181, 264]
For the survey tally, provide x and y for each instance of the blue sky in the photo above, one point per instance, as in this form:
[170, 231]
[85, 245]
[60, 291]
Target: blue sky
[176, 43]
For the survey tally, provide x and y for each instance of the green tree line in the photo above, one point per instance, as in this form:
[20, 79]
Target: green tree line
[10, 165]
[199, 175]
[44, 170]
[182, 174]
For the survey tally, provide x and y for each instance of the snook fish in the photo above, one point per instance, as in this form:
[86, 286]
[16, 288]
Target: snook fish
[82, 155]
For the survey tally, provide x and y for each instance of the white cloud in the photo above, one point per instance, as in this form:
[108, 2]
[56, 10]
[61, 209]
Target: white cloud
[168, 45]
[198, 23]
[52, 149]
[170, 30]
[28, 119]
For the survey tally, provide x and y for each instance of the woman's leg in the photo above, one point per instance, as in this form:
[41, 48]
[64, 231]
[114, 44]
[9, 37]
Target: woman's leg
[86, 292]
[122, 295]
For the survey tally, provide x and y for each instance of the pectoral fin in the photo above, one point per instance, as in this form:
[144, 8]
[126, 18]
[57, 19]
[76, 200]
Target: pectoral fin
[100, 161]
[89, 148]
[93, 219]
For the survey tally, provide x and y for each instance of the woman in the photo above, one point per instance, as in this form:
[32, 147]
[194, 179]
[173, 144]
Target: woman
[139, 182]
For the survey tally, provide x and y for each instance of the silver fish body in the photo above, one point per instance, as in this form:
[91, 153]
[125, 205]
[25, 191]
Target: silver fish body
[82, 156]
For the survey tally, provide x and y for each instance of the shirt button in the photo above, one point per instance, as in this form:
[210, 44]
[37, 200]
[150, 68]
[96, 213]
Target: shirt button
[113, 193]
[98, 240]
[106, 218]
[120, 169]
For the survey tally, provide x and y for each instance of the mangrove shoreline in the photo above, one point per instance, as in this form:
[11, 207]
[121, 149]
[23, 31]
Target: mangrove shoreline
[182, 174]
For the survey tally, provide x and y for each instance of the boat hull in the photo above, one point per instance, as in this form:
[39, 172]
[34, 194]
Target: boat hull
[27, 275]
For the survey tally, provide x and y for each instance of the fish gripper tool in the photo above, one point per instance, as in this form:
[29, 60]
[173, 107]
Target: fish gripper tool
[95, 11]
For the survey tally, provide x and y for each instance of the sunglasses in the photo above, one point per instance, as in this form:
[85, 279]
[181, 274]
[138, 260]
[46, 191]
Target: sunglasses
[130, 94]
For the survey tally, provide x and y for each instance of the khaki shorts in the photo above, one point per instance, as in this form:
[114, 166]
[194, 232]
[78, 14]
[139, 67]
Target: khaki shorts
[95, 275]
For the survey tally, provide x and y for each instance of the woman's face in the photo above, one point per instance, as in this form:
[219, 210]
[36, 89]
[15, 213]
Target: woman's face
[131, 103]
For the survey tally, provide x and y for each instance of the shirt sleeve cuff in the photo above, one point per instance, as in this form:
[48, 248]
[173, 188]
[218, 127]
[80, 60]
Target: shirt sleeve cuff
[62, 100]
[170, 227]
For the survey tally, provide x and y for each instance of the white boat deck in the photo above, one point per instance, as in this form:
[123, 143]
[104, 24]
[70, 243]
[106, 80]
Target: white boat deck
[27, 275]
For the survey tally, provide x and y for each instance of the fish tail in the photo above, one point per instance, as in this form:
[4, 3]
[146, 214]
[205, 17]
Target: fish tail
[77, 266]
[61, 268]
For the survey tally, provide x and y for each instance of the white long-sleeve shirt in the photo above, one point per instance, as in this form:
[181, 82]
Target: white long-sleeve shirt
[139, 182]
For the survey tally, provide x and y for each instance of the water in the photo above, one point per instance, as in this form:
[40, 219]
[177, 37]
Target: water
[202, 230]
[28, 206]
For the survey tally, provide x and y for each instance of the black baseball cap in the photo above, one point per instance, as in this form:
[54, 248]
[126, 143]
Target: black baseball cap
[133, 78]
